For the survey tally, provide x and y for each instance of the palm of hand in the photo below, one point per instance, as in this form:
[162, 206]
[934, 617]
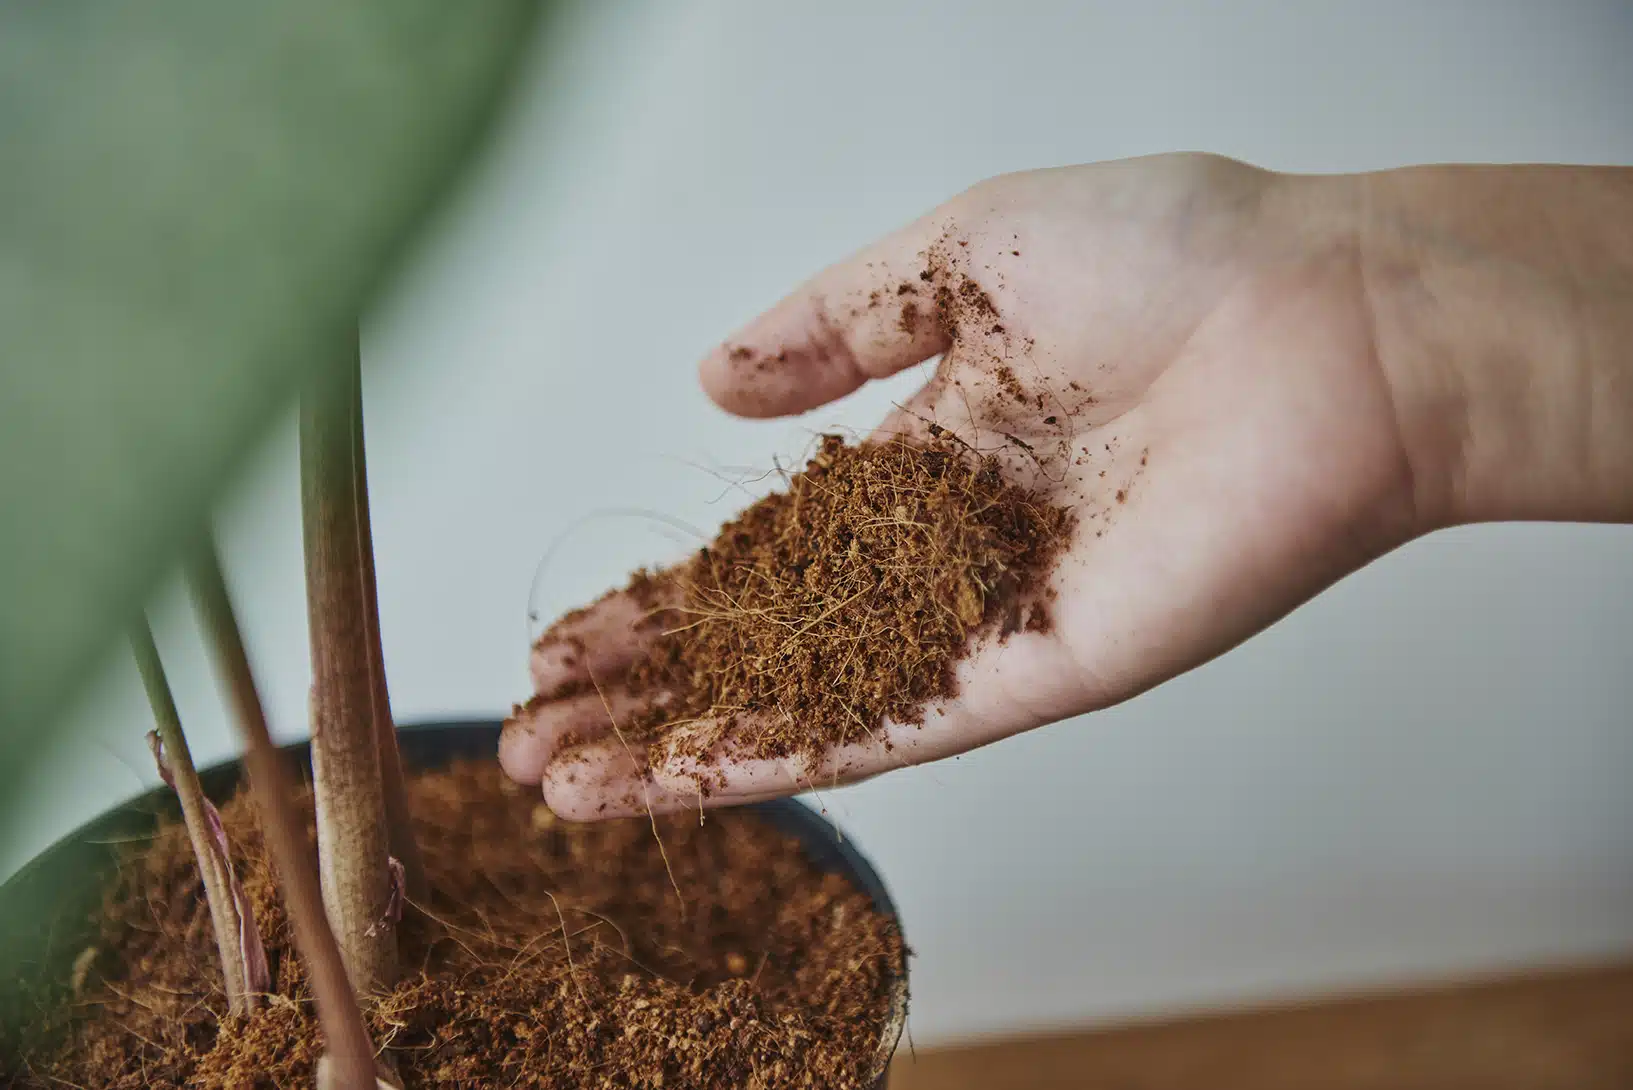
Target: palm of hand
[1146, 342]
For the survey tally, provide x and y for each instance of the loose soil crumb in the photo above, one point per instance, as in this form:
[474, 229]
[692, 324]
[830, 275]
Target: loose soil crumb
[550, 955]
[822, 612]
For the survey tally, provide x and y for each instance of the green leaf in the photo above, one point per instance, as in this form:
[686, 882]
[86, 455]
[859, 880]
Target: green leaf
[197, 200]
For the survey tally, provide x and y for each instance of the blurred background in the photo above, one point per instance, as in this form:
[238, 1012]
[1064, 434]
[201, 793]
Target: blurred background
[1422, 774]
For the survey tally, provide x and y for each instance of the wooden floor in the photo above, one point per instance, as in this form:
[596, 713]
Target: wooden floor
[1545, 1032]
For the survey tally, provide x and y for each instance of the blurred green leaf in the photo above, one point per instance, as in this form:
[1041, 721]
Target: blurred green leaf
[197, 199]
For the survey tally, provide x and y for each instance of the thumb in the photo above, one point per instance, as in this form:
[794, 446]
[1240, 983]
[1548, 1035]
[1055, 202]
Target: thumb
[864, 318]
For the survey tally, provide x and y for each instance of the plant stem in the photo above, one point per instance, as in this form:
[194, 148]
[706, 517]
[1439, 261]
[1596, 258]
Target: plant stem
[230, 929]
[399, 821]
[354, 848]
[346, 1037]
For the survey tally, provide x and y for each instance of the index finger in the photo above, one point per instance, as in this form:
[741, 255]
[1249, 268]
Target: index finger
[865, 318]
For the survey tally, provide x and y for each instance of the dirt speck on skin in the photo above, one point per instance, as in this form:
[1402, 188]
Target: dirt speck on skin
[961, 306]
[1009, 384]
[550, 954]
[910, 317]
[823, 612]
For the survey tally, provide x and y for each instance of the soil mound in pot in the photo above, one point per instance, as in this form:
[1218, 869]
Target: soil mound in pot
[839, 603]
[549, 955]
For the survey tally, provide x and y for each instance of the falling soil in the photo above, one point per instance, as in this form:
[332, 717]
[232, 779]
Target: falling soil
[549, 955]
[840, 604]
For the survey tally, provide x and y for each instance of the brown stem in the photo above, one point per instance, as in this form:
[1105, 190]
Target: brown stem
[399, 821]
[177, 768]
[342, 1020]
[354, 849]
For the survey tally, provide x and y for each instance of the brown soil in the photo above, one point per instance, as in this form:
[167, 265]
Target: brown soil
[960, 307]
[550, 955]
[824, 611]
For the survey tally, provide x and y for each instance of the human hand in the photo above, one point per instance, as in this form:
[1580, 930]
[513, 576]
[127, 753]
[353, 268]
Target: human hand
[1183, 349]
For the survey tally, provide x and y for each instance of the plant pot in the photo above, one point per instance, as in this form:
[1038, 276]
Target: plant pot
[46, 908]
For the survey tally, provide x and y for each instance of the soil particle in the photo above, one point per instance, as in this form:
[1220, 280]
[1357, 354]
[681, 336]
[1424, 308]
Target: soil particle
[550, 955]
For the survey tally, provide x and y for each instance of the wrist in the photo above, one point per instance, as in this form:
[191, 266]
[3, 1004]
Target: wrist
[1502, 308]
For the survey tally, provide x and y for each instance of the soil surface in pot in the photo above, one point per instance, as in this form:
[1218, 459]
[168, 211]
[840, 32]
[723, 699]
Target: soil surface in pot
[549, 955]
[832, 607]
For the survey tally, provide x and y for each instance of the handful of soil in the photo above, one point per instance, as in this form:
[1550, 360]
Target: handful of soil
[844, 602]
[550, 955]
